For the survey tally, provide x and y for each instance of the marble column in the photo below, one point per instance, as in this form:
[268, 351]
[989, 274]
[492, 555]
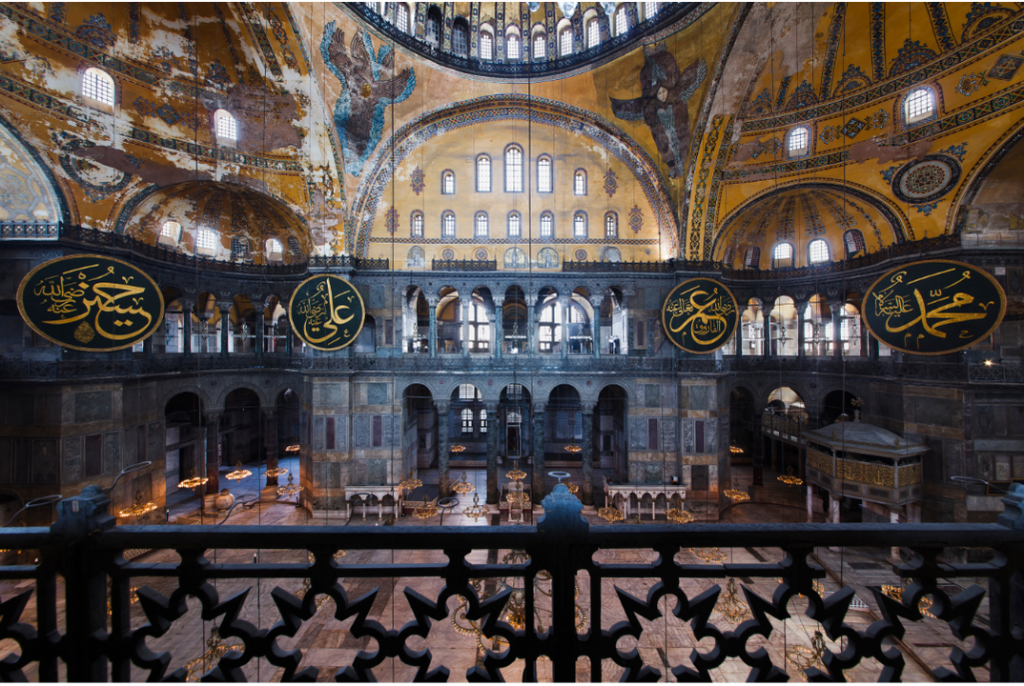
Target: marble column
[739, 337]
[595, 327]
[492, 453]
[837, 321]
[767, 333]
[833, 509]
[894, 518]
[288, 337]
[466, 304]
[532, 345]
[564, 303]
[186, 327]
[225, 326]
[271, 444]
[539, 411]
[212, 420]
[872, 347]
[258, 343]
[432, 340]
[801, 339]
[498, 330]
[810, 504]
[442, 446]
[587, 487]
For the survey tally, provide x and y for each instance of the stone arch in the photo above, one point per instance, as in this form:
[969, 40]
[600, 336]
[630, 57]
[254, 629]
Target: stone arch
[23, 168]
[231, 387]
[1007, 148]
[170, 391]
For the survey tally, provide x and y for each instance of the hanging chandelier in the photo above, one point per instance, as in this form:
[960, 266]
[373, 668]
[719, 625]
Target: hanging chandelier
[789, 479]
[462, 487]
[238, 474]
[573, 448]
[678, 515]
[290, 489]
[276, 472]
[611, 514]
[476, 510]
[193, 481]
[138, 508]
[804, 658]
[708, 555]
[293, 448]
[410, 482]
[457, 448]
[736, 495]
[896, 593]
[730, 605]
[516, 474]
[426, 510]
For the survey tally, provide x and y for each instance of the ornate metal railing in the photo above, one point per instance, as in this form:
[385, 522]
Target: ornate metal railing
[29, 230]
[119, 615]
[464, 265]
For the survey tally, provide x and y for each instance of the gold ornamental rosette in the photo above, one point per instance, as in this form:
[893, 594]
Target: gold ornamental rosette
[326, 312]
[700, 315]
[91, 303]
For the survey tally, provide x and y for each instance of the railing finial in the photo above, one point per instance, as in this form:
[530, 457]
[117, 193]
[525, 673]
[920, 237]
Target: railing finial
[562, 514]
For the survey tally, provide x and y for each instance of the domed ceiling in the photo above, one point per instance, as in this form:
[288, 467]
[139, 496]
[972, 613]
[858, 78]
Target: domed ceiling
[233, 212]
[799, 215]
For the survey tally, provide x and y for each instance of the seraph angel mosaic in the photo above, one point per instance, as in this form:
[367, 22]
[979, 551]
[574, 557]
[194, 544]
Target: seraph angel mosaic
[366, 92]
[663, 104]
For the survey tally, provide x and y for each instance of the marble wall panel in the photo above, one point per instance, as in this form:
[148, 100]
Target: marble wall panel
[92, 406]
[72, 459]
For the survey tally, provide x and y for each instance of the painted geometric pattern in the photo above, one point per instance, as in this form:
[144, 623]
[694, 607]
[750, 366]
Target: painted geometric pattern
[967, 52]
[725, 151]
[611, 182]
[792, 166]
[783, 87]
[813, 225]
[839, 214]
[214, 153]
[852, 79]
[802, 96]
[784, 230]
[838, 19]
[636, 219]
[1006, 67]
[853, 127]
[940, 25]
[701, 188]
[417, 180]
[25, 193]
[878, 40]
[911, 55]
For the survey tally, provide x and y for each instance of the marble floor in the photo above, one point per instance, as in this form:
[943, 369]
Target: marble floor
[665, 643]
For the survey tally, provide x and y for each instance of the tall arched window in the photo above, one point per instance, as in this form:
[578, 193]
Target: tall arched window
[239, 248]
[448, 224]
[918, 105]
[515, 225]
[482, 225]
[752, 259]
[226, 126]
[650, 10]
[275, 251]
[170, 232]
[402, 17]
[817, 251]
[782, 256]
[460, 39]
[854, 242]
[483, 174]
[447, 182]
[206, 241]
[540, 46]
[547, 225]
[611, 225]
[593, 33]
[579, 182]
[433, 27]
[483, 416]
[417, 224]
[621, 20]
[486, 46]
[98, 87]
[513, 44]
[544, 182]
[565, 42]
[513, 169]
[798, 141]
[579, 225]
[467, 422]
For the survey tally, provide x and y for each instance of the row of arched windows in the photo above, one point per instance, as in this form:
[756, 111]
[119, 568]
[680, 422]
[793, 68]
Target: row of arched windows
[818, 251]
[514, 225]
[206, 240]
[514, 174]
[619, 25]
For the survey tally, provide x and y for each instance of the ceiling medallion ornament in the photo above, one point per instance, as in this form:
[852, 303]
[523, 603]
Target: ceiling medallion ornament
[970, 83]
[933, 307]
[91, 303]
[699, 315]
[326, 312]
[927, 180]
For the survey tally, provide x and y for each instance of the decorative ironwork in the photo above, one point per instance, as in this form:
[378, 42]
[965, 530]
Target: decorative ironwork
[804, 658]
[730, 606]
[216, 649]
[896, 593]
[289, 489]
[238, 474]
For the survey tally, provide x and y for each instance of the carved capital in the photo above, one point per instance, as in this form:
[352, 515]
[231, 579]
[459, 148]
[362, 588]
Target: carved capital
[442, 406]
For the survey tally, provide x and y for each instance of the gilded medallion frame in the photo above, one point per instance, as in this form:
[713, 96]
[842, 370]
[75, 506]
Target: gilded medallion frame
[726, 337]
[291, 317]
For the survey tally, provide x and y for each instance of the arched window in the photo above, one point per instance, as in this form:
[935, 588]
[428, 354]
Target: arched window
[206, 241]
[170, 233]
[483, 421]
[460, 39]
[854, 242]
[467, 422]
[483, 174]
[481, 229]
[547, 225]
[513, 44]
[621, 20]
[402, 17]
[486, 45]
[293, 246]
[579, 225]
[515, 225]
[593, 33]
[513, 169]
[479, 329]
[239, 248]
[447, 182]
[611, 225]
[433, 27]
[730, 255]
[417, 225]
[275, 251]
[919, 105]
[817, 251]
[650, 10]
[540, 46]
[448, 224]
[225, 126]
[752, 260]
[579, 182]
[565, 42]
[783, 255]
[798, 141]
[544, 183]
[98, 86]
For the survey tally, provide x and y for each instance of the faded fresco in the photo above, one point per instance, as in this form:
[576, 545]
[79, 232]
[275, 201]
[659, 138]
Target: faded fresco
[662, 105]
[365, 92]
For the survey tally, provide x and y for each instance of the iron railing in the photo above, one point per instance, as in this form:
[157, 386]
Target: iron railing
[116, 612]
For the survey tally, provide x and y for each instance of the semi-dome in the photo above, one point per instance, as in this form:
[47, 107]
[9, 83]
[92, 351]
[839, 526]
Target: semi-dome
[221, 221]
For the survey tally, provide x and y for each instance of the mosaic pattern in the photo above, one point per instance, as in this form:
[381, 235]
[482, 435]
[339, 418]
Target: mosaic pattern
[802, 96]
[784, 229]
[213, 153]
[879, 119]
[887, 173]
[927, 180]
[813, 226]
[926, 210]
[970, 83]
[134, 17]
[911, 55]
[611, 182]
[853, 127]
[724, 153]
[852, 79]
[97, 180]
[277, 28]
[40, 99]
[481, 255]
[828, 135]
[701, 189]
[834, 31]
[547, 259]
[581, 255]
[254, 23]
[417, 180]
[877, 28]
[982, 17]
[391, 220]
[790, 166]
[957, 151]
[447, 254]
[57, 12]
[96, 32]
[783, 89]
[636, 219]
[842, 218]
[940, 25]
[761, 105]
[26, 192]
[1006, 67]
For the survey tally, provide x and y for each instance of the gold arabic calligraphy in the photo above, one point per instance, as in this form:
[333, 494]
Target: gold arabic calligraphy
[77, 294]
[899, 301]
[325, 310]
[703, 314]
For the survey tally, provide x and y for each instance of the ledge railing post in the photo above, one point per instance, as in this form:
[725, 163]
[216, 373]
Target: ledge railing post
[85, 583]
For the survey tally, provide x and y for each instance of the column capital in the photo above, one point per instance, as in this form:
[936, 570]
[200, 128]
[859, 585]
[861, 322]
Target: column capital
[539, 406]
[442, 405]
[588, 408]
[225, 306]
[186, 304]
[491, 407]
[212, 415]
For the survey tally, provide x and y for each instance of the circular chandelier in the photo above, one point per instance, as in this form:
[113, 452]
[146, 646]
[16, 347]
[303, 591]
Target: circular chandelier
[573, 448]
[238, 474]
[789, 479]
[290, 489]
[476, 510]
[516, 474]
[193, 481]
[611, 514]
[138, 508]
[678, 515]
[457, 448]
[276, 472]
[462, 487]
[292, 448]
[410, 482]
[426, 510]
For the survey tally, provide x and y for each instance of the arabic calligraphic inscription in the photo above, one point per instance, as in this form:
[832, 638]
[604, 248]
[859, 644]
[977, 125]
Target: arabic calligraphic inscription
[699, 315]
[933, 307]
[327, 312]
[91, 302]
